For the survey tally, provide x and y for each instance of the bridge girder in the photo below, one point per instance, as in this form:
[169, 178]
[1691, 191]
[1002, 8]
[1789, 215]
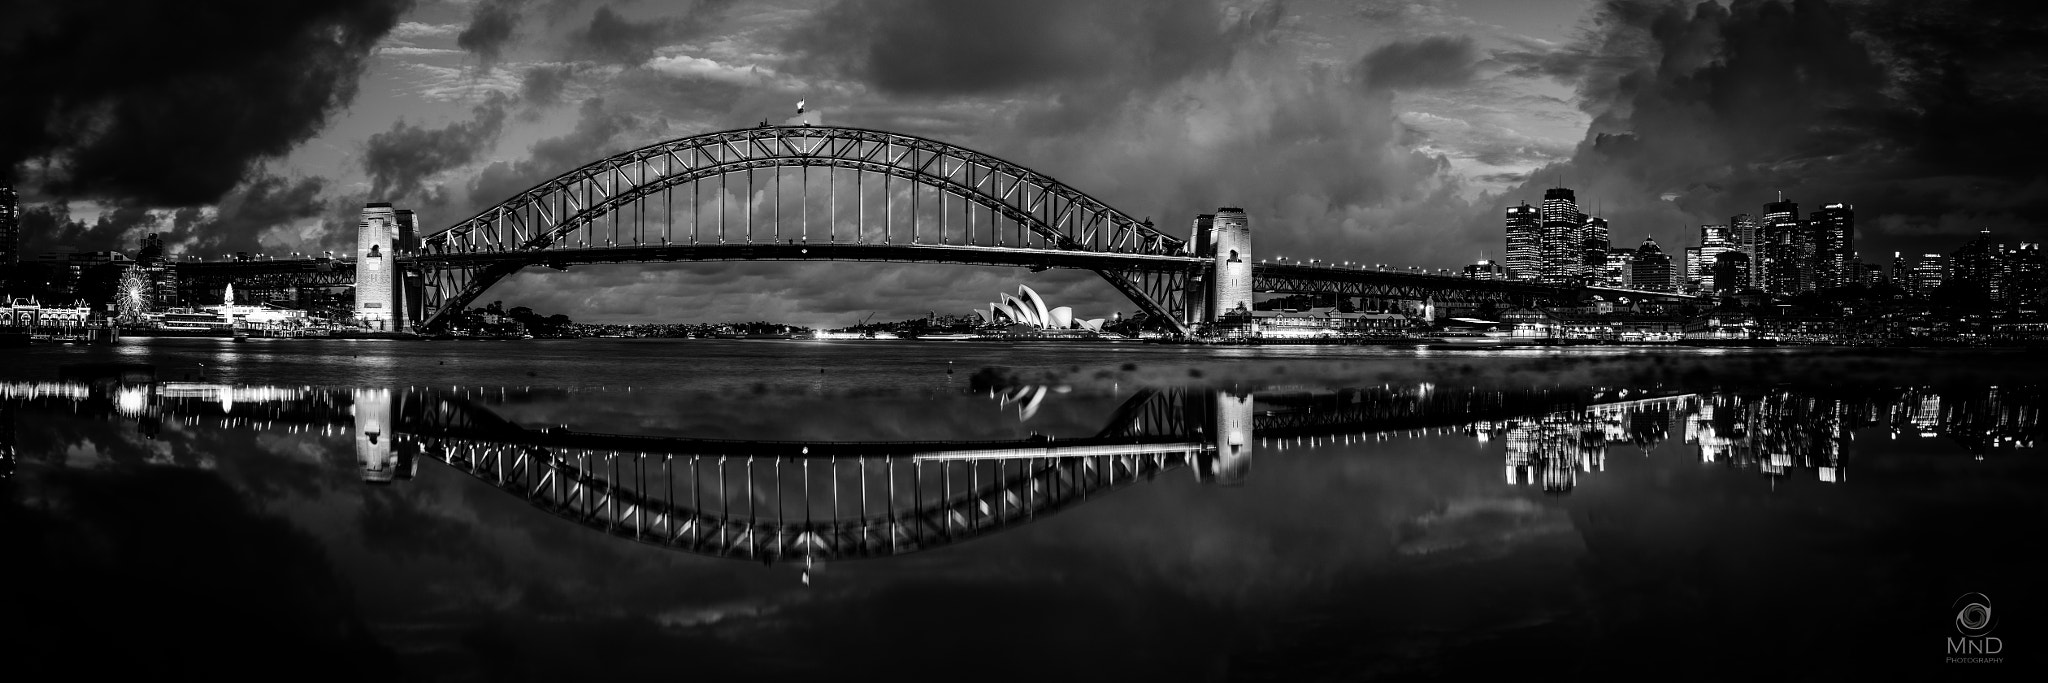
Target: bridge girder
[1056, 216]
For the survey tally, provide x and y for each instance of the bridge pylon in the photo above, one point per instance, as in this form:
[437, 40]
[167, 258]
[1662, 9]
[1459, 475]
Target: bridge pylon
[1231, 460]
[1224, 288]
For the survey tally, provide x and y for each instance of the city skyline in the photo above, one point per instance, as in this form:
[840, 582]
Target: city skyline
[1385, 132]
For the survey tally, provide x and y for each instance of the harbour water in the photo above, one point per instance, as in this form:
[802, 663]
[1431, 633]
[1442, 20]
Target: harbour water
[778, 509]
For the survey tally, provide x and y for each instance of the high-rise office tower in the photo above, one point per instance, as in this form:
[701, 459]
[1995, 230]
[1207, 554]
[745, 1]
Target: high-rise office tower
[1730, 267]
[1748, 235]
[10, 234]
[1563, 236]
[1927, 275]
[1651, 268]
[1834, 236]
[1620, 261]
[1693, 268]
[1978, 267]
[1902, 274]
[1715, 240]
[1594, 244]
[1784, 256]
[1525, 242]
[2028, 276]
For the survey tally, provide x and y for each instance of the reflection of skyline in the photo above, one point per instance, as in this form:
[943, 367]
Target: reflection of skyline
[1776, 434]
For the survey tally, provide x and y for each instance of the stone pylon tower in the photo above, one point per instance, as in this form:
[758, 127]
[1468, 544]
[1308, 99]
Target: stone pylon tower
[376, 268]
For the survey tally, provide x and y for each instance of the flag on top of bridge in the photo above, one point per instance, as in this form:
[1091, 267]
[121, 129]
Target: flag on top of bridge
[799, 106]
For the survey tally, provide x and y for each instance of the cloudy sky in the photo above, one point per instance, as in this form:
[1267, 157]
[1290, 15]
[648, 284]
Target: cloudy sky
[1372, 130]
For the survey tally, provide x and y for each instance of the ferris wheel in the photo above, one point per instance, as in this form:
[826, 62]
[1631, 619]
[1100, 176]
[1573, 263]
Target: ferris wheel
[133, 300]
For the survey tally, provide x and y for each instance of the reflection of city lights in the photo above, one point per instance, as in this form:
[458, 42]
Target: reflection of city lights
[131, 401]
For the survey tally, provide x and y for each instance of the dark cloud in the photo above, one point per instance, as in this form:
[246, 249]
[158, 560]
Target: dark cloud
[1432, 62]
[173, 104]
[543, 84]
[1920, 114]
[401, 160]
[50, 227]
[268, 212]
[940, 47]
[491, 26]
[251, 213]
[616, 39]
[599, 132]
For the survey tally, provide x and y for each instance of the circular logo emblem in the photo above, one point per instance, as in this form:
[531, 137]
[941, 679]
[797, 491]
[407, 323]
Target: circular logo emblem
[1973, 615]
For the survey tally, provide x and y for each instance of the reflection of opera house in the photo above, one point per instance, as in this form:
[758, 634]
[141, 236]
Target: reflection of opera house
[1027, 315]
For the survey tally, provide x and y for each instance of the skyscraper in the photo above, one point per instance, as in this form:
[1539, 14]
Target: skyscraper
[2028, 277]
[1563, 238]
[1692, 270]
[1594, 246]
[1747, 234]
[1834, 235]
[1651, 268]
[10, 234]
[1715, 240]
[1784, 255]
[1525, 238]
[1730, 266]
[1977, 266]
[1927, 275]
[1618, 273]
[1902, 274]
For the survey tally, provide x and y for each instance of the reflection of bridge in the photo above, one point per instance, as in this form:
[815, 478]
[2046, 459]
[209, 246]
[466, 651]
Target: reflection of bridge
[723, 196]
[769, 500]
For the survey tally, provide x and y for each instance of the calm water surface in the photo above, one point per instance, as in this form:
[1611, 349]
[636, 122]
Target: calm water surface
[431, 511]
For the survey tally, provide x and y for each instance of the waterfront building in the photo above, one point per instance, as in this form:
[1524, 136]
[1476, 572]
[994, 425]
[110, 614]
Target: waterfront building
[1834, 237]
[1525, 237]
[1027, 312]
[1651, 268]
[1563, 237]
[1324, 321]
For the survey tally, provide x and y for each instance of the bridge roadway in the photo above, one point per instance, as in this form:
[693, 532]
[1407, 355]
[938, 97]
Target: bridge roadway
[208, 278]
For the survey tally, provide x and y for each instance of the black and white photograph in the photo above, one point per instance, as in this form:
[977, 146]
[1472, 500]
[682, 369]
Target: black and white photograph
[1023, 340]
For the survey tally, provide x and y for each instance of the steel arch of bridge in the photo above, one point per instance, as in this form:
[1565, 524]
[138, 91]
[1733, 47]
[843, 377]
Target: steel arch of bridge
[1010, 215]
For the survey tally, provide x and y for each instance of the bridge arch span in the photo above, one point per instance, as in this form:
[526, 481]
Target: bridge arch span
[1005, 214]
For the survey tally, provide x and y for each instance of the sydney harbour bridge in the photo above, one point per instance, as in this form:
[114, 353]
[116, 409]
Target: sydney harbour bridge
[822, 193]
[773, 501]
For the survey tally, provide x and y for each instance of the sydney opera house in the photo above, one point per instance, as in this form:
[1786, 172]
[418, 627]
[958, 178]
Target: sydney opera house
[1026, 313]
